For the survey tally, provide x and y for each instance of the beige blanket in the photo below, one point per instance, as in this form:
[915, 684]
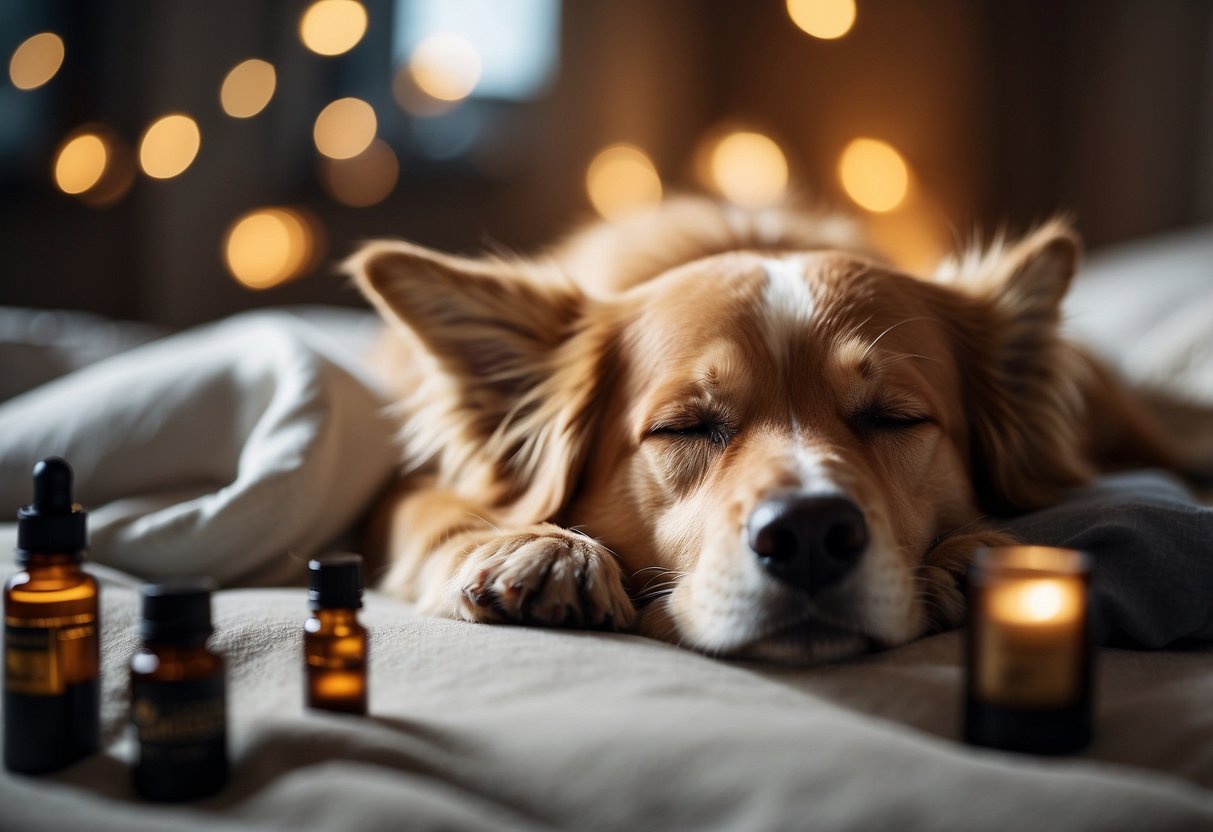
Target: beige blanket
[480, 727]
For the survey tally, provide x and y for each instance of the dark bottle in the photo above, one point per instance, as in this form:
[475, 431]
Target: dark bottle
[178, 699]
[334, 643]
[52, 691]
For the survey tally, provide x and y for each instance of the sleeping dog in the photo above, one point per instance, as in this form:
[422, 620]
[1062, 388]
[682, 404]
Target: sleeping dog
[742, 432]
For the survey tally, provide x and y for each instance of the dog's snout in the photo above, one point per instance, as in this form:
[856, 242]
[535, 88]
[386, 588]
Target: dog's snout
[807, 542]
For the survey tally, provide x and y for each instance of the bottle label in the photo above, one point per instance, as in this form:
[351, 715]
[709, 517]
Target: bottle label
[36, 652]
[181, 727]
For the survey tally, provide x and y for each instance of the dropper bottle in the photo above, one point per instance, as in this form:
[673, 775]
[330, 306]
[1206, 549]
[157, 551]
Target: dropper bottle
[52, 691]
[178, 696]
[334, 642]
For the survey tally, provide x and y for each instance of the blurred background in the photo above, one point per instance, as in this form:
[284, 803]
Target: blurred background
[175, 161]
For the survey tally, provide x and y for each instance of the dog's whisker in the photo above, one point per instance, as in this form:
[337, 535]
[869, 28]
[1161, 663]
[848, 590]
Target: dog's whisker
[889, 329]
[486, 521]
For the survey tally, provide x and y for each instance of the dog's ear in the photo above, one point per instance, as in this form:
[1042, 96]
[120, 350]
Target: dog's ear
[1023, 381]
[508, 418]
[490, 322]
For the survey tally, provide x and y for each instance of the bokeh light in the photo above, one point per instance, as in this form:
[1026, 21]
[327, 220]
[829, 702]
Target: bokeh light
[345, 128]
[248, 88]
[169, 146]
[36, 61]
[80, 163]
[873, 174]
[414, 100]
[365, 179]
[825, 19]
[445, 66]
[622, 179]
[269, 246]
[747, 168]
[333, 27]
[95, 165]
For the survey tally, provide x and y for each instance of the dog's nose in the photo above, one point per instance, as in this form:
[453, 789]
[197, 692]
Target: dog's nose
[808, 542]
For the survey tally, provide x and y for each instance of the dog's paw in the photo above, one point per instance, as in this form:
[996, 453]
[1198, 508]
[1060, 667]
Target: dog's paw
[549, 576]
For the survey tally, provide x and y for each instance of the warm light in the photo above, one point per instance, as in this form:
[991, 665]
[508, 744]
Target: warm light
[95, 165]
[248, 88]
[748, 169]
[1040, 600]
[445, 66]
[415, 101]
[36, 61]
[825, 19]
[363, 180]
[345, 128]
[169, 146]
[620, 179]
[268, 246]
[874, 175]
[80, 163]
[332, 27]
[1035, 601]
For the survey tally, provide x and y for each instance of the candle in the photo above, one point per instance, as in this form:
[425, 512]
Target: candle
[1028, 669]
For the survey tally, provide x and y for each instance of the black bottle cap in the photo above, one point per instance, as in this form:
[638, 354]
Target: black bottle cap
[335, 583]
[177, 612]
[52, 523]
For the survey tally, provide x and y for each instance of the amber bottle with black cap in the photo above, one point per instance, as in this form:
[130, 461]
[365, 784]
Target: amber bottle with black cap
[178, 697]
[334, 642]
[52, 692]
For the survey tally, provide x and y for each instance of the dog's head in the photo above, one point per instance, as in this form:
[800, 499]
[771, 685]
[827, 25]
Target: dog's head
[773, 443]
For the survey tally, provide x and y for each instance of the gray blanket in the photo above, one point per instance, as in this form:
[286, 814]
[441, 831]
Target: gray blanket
[1152, 547]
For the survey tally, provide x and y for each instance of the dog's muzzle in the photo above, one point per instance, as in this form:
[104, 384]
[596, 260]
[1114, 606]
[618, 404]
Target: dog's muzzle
[808, 542]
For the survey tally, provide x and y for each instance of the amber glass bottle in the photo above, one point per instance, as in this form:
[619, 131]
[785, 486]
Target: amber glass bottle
[178, 701]
[52, 692]
[334, 643]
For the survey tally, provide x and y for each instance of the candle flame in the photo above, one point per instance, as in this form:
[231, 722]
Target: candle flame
[1040, 600]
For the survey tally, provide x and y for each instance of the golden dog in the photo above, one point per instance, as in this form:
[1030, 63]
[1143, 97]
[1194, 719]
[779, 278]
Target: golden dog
[739, 431]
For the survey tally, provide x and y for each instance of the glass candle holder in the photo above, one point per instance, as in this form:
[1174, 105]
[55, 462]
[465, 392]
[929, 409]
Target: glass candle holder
[1028, 669]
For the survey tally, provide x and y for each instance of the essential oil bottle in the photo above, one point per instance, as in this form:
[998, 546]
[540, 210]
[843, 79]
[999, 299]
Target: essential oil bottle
[334, 643]
[178, 698]
[52, 692]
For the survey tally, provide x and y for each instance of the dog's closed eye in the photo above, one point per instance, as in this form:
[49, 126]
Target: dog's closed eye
[878, 417]
[700, 430]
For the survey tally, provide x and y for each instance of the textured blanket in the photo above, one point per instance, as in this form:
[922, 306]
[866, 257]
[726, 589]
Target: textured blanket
[242, 448]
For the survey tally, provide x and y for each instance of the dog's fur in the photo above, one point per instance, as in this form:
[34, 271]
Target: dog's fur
[585, 436]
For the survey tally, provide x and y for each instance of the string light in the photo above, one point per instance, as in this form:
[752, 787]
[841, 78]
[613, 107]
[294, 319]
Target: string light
[445, 66]
[80, 163]
[94, 165]
[169, 146]
[414, 100]
[873, 174]
[345, 128]
[745, 167]
[248, 88]
[621, 179]
[824, 19]
[365, 179]
[333, 27]
[268, 246]
[36, 61]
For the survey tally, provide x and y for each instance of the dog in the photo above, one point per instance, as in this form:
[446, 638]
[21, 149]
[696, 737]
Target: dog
[739, 431]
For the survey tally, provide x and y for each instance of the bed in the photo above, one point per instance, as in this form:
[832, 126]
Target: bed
[241, 449]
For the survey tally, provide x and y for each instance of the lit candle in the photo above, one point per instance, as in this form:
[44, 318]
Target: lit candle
[1028, 669]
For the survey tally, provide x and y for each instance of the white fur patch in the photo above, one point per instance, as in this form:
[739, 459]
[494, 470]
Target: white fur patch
[789, 304]
[814, 478]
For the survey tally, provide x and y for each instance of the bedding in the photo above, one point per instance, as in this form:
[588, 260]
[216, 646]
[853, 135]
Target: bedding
[242, 448]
